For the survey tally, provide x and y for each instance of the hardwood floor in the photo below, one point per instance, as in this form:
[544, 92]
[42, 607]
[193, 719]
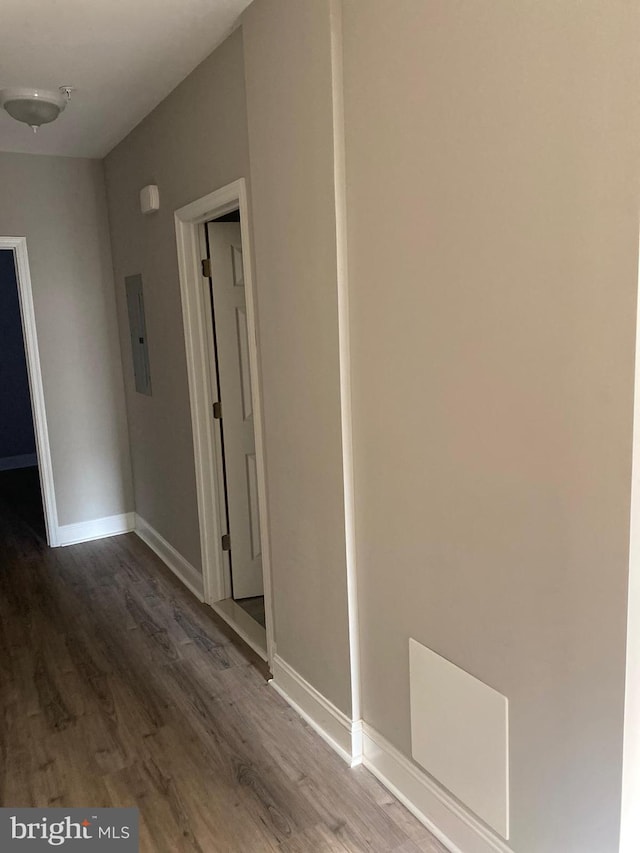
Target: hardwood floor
[118, 688]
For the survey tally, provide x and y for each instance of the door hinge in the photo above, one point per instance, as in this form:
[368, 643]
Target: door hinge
[206, 267]
[217, 410]
[226, 542]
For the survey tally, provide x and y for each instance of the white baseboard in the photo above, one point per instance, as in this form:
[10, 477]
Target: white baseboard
[26, 460]
[181, 568]
[356, 742]
[334, 726]
[97, 528]
[456, 827]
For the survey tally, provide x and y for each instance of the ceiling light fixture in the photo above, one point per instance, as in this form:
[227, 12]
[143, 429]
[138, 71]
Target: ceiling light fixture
[35, 106]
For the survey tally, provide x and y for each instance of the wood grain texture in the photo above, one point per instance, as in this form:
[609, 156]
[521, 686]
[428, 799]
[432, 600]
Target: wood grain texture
[118, 688]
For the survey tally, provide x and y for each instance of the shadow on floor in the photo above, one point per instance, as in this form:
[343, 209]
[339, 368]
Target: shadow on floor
[254, 607]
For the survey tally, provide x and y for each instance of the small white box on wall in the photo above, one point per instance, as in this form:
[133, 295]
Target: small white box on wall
[149, 199]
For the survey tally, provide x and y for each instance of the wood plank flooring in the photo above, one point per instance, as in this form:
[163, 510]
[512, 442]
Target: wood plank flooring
[118, 688]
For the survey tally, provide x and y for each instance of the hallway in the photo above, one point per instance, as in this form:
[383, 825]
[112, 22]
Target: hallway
[118, 688]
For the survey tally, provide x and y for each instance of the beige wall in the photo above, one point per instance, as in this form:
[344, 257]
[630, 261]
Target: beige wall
[492, 162]
[289, 104]
[194, 142]
[492, 205]
[59, 205]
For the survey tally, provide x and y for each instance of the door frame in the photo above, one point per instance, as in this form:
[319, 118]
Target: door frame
[18, 245]
[198, 331]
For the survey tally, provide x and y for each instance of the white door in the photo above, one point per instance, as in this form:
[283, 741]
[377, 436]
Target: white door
[234, 378]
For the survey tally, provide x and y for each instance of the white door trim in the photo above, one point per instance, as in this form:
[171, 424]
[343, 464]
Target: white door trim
[19, 247]
[196, 315]
[630, 813]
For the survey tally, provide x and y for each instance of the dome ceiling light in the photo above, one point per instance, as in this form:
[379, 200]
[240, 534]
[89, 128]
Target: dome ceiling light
[35, 106]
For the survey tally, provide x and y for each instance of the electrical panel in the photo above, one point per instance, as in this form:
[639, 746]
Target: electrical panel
[138, 329]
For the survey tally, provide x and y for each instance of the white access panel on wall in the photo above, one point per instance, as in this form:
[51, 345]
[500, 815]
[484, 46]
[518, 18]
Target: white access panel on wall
[460, 734]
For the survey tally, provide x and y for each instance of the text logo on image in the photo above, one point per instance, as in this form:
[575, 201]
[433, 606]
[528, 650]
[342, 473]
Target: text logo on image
[33, 830]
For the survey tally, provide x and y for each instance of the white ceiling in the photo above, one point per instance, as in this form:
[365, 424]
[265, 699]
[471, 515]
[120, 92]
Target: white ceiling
[121, 56]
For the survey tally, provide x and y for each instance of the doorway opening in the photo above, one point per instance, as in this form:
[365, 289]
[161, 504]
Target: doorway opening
[20, 493]
[233, 412]
[26, 478]
[218, 305]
